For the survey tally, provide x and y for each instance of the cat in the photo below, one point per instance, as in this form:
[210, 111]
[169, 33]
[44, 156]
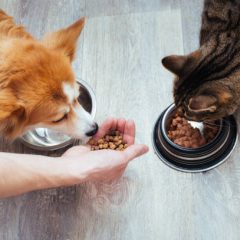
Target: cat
[207, 83]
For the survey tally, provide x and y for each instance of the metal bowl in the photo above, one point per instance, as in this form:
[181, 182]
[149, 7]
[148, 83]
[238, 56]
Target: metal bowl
[45, 139]
[194, 159]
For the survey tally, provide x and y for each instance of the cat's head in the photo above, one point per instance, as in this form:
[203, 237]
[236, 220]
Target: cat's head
[203, 88]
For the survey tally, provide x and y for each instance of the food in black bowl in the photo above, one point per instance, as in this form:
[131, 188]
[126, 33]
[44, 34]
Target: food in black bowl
[185, 148]
[181, 132]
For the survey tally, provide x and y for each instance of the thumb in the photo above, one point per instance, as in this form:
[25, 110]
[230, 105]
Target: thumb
[134, 151]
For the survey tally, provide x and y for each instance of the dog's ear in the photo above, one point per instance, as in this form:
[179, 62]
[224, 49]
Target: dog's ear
[10, 29]
[12, 115]
[65, 39]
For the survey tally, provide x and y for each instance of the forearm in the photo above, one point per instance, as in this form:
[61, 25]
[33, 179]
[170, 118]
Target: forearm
[20, 173]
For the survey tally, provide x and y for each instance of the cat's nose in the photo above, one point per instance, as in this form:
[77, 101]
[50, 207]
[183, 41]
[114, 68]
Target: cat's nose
[93, 131]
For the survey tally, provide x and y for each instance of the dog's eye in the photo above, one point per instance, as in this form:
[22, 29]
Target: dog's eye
[61, 119]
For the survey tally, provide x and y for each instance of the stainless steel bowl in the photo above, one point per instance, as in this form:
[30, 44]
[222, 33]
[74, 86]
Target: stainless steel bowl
[45, 139]
[194, 159]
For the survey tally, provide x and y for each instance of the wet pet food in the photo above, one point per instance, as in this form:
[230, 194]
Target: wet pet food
[113, 140]
[182, 133]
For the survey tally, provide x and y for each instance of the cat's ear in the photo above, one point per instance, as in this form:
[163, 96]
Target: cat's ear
[181, 64]
[175, 63]
[203, 103]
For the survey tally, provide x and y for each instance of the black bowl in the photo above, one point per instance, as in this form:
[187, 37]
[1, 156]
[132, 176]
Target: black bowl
[194, 159]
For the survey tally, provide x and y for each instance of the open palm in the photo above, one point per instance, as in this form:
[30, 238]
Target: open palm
[105, 164]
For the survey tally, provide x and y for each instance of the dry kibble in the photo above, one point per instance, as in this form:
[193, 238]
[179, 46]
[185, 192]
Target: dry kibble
[113, 147]
[92, 142]
[182, 133]
[119, 142]
[100, 141]
[113, 140]
[110, 138]
[121, 146]
[105, 145]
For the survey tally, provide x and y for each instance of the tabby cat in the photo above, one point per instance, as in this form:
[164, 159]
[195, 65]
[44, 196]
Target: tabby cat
[207, 84]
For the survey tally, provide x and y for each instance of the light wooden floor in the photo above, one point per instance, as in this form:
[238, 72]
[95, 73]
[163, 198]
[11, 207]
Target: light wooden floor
[120, 55]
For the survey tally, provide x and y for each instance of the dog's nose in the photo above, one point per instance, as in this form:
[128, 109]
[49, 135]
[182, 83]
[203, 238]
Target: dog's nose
[93, 131]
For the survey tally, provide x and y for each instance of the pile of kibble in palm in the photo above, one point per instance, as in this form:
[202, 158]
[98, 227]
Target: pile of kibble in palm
[113, 140]
[182, 133]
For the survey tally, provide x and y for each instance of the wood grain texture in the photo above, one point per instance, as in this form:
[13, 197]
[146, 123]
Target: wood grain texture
[120, 55]
[96, 8]
[191, 23]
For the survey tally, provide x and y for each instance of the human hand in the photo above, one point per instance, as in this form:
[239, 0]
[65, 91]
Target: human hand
[82, 163]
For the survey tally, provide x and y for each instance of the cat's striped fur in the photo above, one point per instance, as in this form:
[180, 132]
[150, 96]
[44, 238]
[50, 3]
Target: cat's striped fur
[207, 84]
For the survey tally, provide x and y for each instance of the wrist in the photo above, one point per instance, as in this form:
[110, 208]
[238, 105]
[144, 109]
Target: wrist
[20, 173]
[52, 173]
[41, 172]
[70, 172]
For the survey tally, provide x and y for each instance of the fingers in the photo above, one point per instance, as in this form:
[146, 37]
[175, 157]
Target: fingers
[121, 122]
[134, 151]
[127, 127]
[129, 132]
[110, 123]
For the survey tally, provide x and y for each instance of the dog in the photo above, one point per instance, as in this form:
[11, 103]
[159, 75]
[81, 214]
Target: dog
[37, 83]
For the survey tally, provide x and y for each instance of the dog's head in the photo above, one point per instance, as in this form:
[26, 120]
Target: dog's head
[38, 87]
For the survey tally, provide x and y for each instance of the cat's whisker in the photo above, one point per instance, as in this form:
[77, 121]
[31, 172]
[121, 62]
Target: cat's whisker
[214, 124]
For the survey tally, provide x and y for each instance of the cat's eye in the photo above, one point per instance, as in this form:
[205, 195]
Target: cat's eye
[61, 119]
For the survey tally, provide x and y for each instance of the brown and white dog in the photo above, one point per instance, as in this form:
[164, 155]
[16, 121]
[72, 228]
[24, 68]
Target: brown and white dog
[37, 83]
